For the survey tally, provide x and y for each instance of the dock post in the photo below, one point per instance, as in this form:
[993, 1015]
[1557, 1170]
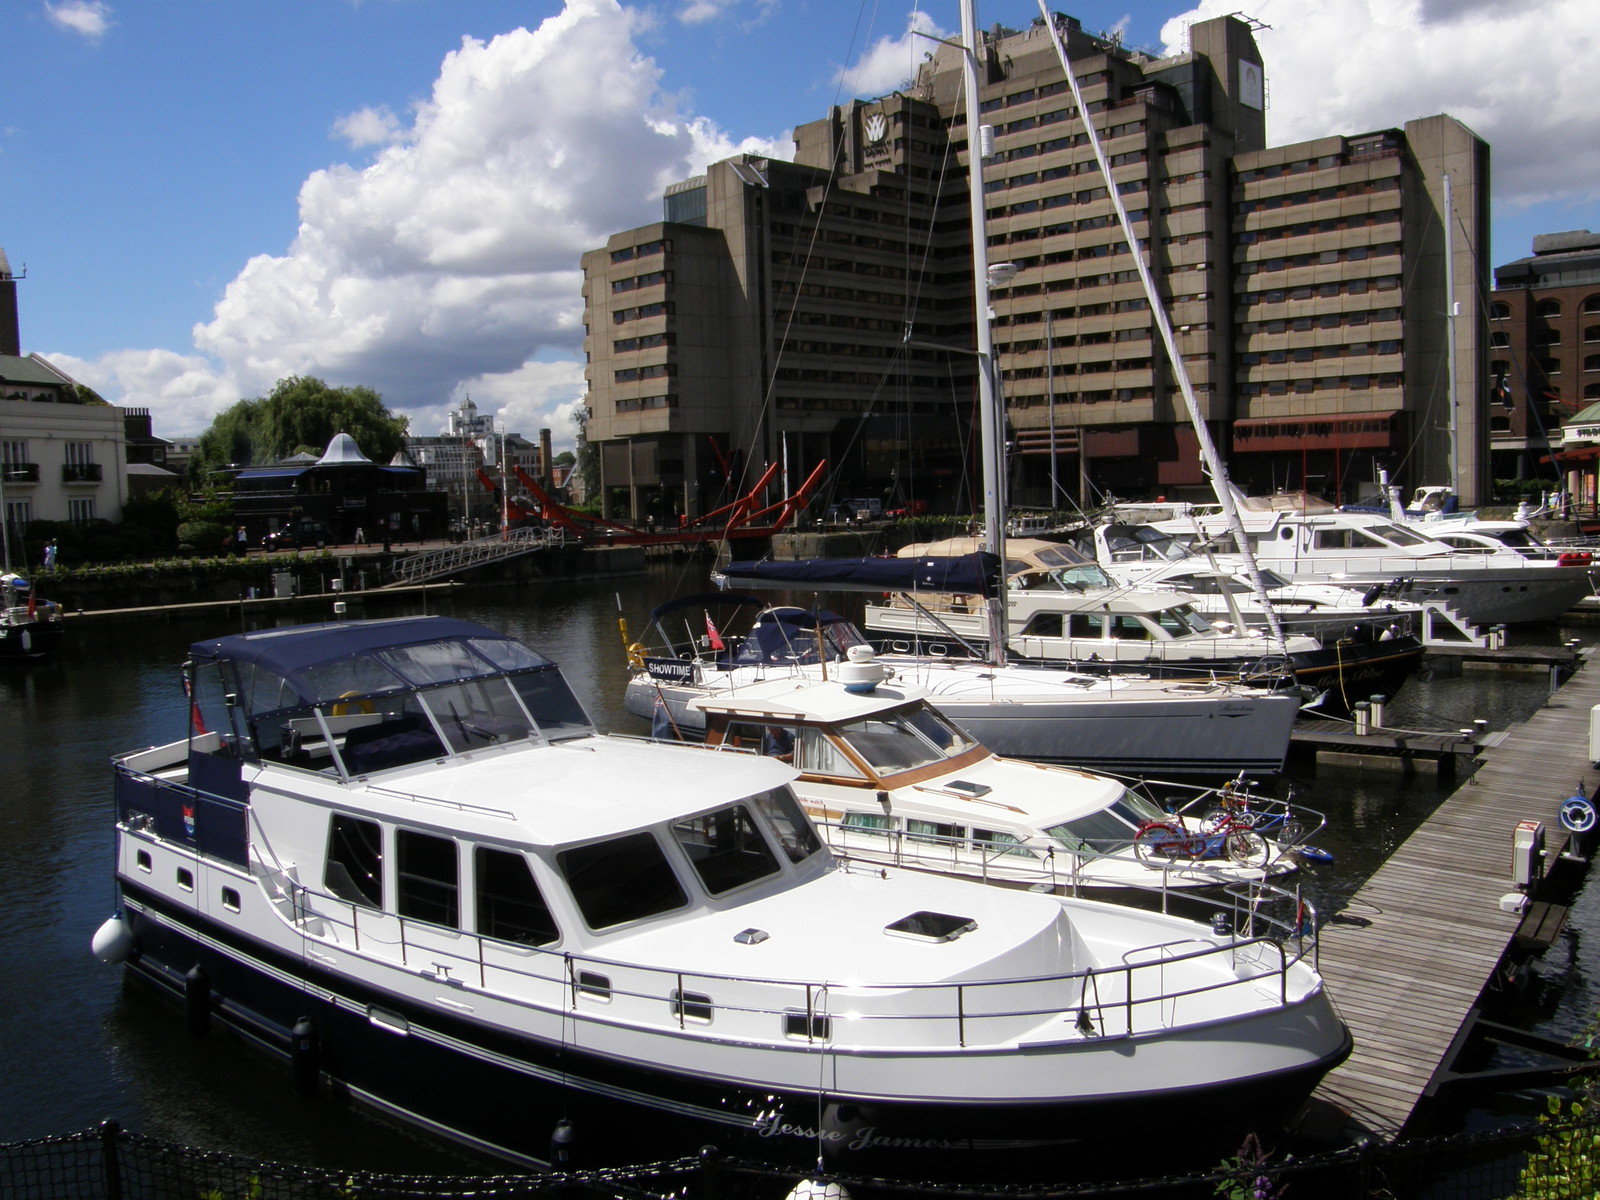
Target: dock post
[1377, 703]
[1361, 711]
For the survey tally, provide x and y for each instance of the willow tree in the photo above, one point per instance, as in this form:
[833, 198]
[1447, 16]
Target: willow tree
[300, 415]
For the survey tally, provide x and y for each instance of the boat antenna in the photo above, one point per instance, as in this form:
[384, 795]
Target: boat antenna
[979, 146]
[1208, 450]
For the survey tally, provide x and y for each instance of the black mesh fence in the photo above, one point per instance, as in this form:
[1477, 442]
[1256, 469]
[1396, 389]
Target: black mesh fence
[1555, 1160]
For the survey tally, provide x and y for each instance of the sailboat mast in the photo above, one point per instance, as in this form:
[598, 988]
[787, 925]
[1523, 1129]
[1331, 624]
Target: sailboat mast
[1208, 449]
[1450, 309]
[989, 438]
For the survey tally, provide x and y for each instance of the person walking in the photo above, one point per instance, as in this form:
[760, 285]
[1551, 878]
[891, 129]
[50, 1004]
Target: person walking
[50, 555]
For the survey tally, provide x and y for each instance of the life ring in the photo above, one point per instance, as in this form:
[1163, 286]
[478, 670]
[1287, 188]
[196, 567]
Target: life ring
[345, 710]
[636, 656]
[1577, 814]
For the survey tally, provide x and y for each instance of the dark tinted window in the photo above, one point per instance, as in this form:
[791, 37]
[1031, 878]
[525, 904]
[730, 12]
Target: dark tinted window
[624, 879]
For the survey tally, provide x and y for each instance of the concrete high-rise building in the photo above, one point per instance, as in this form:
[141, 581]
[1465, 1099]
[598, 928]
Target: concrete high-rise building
[787, 312]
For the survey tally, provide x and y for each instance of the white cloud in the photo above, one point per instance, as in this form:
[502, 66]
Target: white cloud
[183, 391]
[368, 127]
[90, 18]
[1516, 74]
[450, 264]
[891, 62]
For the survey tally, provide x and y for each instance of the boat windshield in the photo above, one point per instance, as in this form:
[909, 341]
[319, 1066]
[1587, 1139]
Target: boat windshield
[1109, 829]
[1141, 543]
[904, 740]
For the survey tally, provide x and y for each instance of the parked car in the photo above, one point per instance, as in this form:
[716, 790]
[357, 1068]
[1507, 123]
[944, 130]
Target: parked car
[298, 534]
[911, 508]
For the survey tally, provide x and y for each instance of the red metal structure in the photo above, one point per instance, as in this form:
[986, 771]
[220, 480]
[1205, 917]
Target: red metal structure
[744, 518]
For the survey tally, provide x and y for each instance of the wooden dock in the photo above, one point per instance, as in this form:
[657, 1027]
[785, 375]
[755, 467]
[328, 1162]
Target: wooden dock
[1408, 957]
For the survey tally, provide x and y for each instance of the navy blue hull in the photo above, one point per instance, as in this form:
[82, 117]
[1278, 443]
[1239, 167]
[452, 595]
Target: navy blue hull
[505, 1095]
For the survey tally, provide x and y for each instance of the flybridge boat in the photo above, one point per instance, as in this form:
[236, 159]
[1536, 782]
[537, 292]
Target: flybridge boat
[889, 780]
[396, 853]
[1302, 538]
[1076, 616]
[1125, 723]
[1142, 556]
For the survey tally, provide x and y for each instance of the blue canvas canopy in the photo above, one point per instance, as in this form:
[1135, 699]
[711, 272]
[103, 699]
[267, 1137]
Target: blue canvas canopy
[976, 574]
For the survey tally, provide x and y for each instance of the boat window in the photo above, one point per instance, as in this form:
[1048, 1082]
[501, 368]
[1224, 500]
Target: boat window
[402, 736]
[870, 821]
[1271, 579]
[1054, 557]
[815, 753]
[725, 848]
[1097, 833]
[510, 906]
[938, 730]
[1042, 625]
[358, 675]
[796, 835]
[1184, 620]
[443, 661]
[1083, 577]
[774, 741]
[355, 861]
[934, 831]
[555, 709]
[508, 654]
[890, 743]
[477, 713]
[1126, 627]
[427, 877]
[1332, 539]
[1090, 626]
[622, 879]
[1000, 841]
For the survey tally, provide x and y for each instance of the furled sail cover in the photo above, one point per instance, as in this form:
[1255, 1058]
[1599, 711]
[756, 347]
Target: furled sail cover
[976, 574]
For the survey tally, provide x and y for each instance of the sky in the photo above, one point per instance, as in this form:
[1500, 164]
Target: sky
[209, 196]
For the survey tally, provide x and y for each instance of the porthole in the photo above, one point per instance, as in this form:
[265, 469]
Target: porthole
[186, 879]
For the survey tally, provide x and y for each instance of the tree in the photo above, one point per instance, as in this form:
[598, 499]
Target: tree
[301, 414]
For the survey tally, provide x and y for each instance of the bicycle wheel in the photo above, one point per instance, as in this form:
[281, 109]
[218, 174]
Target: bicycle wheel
[1158, 845]
[1246, 847]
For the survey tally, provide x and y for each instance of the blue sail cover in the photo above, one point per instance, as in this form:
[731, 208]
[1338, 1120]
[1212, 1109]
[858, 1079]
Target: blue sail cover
[976, 574]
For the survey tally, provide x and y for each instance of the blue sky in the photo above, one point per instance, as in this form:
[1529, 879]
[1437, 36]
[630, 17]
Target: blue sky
[210, 195]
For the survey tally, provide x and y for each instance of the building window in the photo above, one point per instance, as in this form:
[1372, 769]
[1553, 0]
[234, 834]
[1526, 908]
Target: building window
[1548, 308]
[1501, 310]
[80, 511]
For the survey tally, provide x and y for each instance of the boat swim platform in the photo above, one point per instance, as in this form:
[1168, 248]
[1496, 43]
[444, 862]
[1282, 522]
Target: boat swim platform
[1410, 954]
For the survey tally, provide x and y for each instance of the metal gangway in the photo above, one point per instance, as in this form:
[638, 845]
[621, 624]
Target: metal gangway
[435, 564]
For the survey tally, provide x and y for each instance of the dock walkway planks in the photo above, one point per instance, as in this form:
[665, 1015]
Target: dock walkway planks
[1410, 953]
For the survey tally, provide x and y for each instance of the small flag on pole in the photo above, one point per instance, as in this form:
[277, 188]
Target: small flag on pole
[712, 634]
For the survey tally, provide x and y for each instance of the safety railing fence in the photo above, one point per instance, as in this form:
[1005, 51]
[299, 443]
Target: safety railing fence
[1554, 1160]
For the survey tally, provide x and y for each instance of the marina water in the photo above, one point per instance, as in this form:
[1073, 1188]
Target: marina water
[80, 1047]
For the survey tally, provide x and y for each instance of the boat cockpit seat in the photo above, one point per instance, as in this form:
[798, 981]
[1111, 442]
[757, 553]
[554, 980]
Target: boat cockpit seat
[395, 742]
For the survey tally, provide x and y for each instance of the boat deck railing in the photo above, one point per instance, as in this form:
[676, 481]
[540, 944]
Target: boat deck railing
[1172, 984]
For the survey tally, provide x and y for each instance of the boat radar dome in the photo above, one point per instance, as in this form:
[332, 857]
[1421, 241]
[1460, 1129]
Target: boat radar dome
[861, 672]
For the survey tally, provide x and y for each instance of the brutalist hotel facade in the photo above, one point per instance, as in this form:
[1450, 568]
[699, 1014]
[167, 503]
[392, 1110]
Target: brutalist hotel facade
[790, 312]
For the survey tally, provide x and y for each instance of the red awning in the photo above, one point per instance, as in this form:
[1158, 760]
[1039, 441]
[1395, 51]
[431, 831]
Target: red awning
[1581, 454]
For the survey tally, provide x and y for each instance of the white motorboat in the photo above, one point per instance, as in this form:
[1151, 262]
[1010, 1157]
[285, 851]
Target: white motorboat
[1123, 723]
[1077, 616]
[1302, 538]
[396, 854]
[889, 780]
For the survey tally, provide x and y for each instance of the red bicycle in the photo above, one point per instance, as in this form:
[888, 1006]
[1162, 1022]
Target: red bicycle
[1224, 834]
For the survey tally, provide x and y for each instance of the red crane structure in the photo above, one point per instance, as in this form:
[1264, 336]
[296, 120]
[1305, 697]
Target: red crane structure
[746, 517]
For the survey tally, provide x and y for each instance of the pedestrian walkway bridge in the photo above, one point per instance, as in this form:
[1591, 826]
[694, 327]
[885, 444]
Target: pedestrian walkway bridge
[451, 560]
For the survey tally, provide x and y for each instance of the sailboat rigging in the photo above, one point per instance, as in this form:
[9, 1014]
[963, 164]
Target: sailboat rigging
[1215, 469]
